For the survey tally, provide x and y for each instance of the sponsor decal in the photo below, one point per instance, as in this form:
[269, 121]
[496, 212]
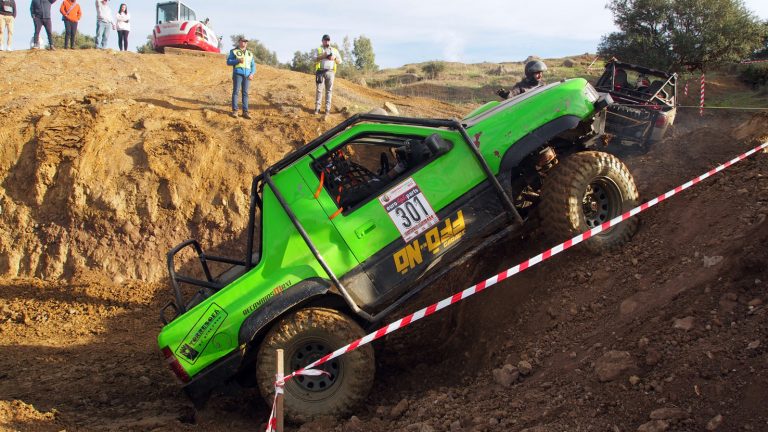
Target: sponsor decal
[435, 241]
[259, 303]
[409, 209]
[197, 339]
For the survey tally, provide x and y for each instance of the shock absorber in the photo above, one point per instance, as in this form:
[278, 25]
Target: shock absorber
[547, 158]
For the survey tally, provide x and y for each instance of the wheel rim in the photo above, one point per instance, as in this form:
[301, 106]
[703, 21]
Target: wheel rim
[601, 202]
[308, 352]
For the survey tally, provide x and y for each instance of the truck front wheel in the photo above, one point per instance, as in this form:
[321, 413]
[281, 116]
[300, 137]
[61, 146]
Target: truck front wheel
[305, 336]
[585, 190]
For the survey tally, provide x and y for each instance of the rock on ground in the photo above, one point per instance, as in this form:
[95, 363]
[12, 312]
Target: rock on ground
[613, 364]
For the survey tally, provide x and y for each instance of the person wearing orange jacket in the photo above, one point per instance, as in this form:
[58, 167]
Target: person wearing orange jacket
[71, 14]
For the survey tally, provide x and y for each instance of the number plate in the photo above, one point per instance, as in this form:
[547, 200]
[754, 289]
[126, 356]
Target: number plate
[408, 209]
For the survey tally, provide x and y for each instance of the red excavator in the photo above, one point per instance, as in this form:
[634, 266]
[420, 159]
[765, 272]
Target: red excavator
[177, 26]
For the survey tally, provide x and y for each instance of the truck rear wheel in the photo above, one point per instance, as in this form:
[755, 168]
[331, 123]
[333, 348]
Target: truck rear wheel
[585, 190]
[307, 335]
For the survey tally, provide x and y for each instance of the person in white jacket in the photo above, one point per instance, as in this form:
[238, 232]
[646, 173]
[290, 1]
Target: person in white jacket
[123, 27]
[104, 20]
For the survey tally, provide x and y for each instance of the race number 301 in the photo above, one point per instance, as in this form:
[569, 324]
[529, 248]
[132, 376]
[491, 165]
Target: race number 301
[409, 209]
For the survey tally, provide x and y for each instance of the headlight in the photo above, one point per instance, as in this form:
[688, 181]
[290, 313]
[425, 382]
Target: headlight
[590, 93]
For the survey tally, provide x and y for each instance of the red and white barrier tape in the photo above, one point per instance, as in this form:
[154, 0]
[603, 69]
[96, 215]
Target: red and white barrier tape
[701, 104]
[752, 61]
[429, 310]
[280, 389]
[685, 90]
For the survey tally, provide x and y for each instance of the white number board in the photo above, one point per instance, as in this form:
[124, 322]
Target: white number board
[408, 209]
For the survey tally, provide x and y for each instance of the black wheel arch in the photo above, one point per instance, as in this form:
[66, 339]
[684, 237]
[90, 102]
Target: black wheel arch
[513, 163]
[535, 140]
[314, 291]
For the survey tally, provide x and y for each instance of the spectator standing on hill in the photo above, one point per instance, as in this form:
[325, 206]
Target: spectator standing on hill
[41, 15]
[7, 17]
[534, 70]
[71, 14]
[243, 67]
[325, 70]
[104, 21]
[123, 27]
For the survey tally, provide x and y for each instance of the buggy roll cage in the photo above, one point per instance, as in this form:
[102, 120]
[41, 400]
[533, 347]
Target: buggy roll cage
[669, 78]
[265, 177]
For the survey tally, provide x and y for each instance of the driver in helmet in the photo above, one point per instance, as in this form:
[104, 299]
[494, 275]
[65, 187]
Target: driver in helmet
[534, 70]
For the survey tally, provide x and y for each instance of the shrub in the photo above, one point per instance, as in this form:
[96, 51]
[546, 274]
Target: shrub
[755, 75]
[82, 41]
[433, 69]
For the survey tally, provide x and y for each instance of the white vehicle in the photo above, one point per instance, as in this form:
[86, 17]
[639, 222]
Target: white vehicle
[177, 26]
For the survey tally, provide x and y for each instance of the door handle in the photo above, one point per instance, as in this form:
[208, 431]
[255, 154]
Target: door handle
[364, 229]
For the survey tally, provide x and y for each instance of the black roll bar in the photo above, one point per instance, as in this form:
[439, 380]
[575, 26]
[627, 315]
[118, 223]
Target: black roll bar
[445, 123]
[505, 199]
[315, 252]
[255, 200]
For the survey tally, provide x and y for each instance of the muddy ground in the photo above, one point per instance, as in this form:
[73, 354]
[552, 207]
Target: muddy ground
[114, 157]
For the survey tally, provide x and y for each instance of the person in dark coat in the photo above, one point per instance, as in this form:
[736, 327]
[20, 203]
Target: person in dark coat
[41, 15]
[533, 72]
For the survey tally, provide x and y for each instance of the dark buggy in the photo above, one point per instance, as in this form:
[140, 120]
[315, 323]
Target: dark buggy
[645, 104]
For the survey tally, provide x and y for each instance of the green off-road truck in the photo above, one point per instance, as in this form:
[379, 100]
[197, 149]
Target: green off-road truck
[350, 226]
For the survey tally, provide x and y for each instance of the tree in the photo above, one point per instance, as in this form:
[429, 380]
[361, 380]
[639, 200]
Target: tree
[365, 59]
[147, 48]
[346, 51]
[644, 37]
[433, 69]
[261, 53]
[347, 69]
[303, 61]
[762, 52]
[677, 34]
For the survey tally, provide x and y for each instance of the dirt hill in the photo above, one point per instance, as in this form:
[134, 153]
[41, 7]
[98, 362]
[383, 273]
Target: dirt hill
[110, 158]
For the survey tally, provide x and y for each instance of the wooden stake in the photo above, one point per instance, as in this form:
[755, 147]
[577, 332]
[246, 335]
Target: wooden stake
[279, 403]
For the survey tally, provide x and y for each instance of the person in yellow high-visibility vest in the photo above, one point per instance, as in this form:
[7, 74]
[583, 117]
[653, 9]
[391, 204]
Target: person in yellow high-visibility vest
[243, 68]
[325, 69]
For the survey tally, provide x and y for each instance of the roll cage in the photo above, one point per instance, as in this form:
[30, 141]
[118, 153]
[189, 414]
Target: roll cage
[661, 89]
[239, 267]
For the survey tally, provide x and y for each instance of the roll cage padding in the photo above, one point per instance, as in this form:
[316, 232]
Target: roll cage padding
[260, 319]
[529, 143]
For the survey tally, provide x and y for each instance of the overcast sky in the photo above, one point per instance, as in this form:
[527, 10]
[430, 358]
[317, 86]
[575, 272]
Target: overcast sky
[401, 31]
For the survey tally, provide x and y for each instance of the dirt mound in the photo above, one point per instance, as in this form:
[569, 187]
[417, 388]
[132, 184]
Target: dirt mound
[753, 129]
[110, 158]
[17, 414]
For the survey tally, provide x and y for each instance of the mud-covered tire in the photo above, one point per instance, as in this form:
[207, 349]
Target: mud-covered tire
[305, 336]
[585, 190]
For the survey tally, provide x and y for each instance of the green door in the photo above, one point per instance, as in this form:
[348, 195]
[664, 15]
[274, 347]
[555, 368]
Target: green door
[358, 203]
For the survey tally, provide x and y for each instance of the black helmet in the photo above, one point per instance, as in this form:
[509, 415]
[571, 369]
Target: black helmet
[533, 67]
